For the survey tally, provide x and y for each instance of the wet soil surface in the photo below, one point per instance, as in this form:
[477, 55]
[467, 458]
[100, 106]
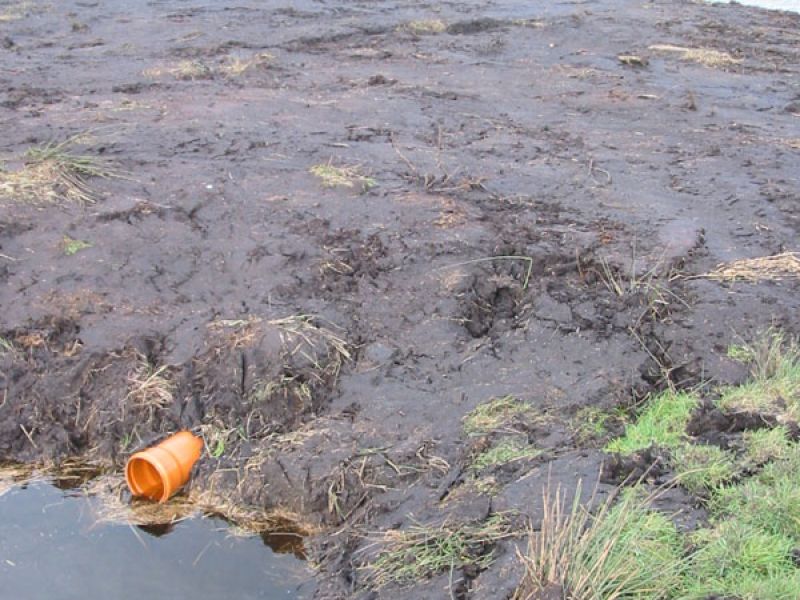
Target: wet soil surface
[531, 220]
[52, 545]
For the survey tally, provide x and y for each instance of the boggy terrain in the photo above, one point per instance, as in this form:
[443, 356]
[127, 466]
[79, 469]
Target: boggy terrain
[404, 265]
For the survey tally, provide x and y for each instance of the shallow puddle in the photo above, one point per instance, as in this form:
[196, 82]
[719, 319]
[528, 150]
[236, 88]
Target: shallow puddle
[51, 546]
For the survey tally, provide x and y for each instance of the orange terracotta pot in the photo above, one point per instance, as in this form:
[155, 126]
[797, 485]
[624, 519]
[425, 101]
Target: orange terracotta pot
[161, 470]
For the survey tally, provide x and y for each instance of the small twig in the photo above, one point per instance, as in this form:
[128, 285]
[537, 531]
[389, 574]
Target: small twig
[402, 156]
[28, 435]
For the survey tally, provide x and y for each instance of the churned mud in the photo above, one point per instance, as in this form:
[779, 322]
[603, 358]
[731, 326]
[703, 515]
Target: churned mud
[400, 264]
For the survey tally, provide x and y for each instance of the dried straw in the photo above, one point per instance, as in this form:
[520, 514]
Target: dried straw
[766, 268]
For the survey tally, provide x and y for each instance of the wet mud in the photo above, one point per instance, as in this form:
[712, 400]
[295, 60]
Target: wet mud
[522, 211]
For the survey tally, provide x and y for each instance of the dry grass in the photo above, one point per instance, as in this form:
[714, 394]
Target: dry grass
[302, 334]
[236, 333]
[424, 26]
[766, 268]
[150, 386]
[186, 70]
[703, 56]
[14, 475]
[193, 70]
[237, 66]
[12, 11]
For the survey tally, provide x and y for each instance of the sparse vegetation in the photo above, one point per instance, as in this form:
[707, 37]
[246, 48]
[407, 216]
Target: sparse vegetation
[349, 177]
[508, 449]
[55, 172]
[496, 415]
[72, 246]
[420, 551]
[775, 387]
[591, 423]
[6, 346]
[12, 11]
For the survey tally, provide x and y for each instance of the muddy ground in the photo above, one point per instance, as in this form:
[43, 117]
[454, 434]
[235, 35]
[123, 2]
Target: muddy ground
[528, 216]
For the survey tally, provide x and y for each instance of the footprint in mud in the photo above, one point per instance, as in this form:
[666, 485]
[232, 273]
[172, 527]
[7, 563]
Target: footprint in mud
[490, 301]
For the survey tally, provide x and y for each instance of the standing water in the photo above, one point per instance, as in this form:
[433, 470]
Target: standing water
[51, 546]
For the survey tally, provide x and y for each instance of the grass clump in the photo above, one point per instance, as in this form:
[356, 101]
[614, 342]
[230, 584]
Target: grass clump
[421, 551]
[662, 423]
[71, 246]
[55, 172]
[764, 445]
[496, 415]
[349, 177]
[737, 560]
[508, 450]
[775, 388]
[702, 469]
[623, 550]
[591, 423]
[770, 500]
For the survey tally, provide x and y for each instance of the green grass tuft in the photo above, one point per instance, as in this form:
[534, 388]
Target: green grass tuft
[764, 445]
[769, 500]
[775, 389]
[591, 423]
[71, 246]
[623, 550]
[662, 423]
[349, 177]
[508, 450]
[419, 552]
[702, 469]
